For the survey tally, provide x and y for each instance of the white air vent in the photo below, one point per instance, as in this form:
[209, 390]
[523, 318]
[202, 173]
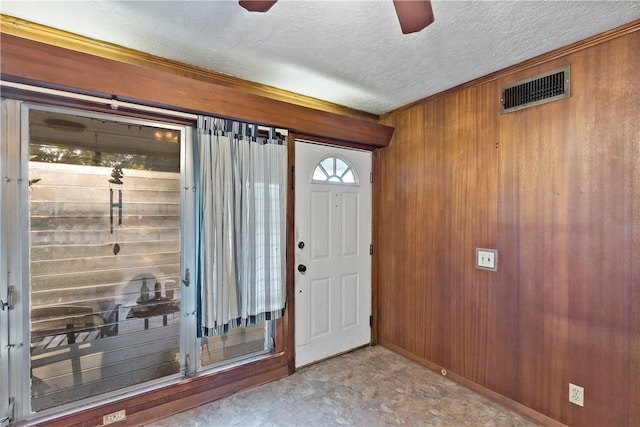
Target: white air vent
[540, 89]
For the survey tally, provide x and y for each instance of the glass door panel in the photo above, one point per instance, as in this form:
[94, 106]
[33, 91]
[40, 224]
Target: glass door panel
[236, 344]
[104, 210]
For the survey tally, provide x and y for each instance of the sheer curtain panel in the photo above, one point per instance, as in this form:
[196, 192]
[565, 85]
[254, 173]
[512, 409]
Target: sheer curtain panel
[242, 234]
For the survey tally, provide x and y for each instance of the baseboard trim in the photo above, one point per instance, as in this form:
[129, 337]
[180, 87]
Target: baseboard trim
[521, 409]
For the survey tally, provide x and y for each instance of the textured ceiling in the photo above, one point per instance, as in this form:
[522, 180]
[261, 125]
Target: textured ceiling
[348, 52]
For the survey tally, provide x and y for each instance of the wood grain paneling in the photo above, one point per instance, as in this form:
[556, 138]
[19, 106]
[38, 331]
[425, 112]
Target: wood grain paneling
[573, 235]
[32, 62]
[601, 286]
[470, 221]
[534, 245]
[430, 218]
[399, 172]
[554, 188]
[634, 330]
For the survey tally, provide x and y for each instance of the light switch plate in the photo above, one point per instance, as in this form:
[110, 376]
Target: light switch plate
[487, 259]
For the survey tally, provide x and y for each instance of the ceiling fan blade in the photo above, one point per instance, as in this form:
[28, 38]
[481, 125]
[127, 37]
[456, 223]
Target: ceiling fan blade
[414, 15]
[257, 5]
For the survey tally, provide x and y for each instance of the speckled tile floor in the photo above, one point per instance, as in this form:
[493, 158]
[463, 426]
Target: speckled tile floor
[371, 386]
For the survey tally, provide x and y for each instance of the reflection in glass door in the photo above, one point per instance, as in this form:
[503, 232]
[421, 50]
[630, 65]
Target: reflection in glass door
[104, 233]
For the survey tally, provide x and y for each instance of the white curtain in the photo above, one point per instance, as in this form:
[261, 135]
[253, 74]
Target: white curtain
[242, 236]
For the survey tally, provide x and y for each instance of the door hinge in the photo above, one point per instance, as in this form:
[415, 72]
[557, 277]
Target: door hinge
[8, 417]
[371, 249]
[371, 321]
[371, 177]
[11, 291]
[293, 177]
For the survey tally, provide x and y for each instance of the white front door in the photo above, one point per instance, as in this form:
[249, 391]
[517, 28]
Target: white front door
[333, 264]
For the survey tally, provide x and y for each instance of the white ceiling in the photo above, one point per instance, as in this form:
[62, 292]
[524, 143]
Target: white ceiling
[348, 52]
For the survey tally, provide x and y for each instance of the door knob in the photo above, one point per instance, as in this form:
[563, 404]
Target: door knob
[301, 245]
[302, 268]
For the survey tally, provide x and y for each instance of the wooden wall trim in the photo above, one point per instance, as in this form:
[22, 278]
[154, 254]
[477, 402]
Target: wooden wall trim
[376, 224]
[53, 36]
[525, 65]
[490, 394]
[289, 339]
[27, 61]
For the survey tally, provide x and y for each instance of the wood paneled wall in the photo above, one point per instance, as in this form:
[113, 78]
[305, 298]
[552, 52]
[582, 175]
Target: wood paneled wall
[556, 189]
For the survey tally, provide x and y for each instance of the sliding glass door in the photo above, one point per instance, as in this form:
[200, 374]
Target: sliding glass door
[104, 234]
[104, 239]
[99, 224]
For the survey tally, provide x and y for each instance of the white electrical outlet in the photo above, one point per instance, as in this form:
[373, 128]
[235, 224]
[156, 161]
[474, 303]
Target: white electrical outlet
[576, 394]
[114, 417]
[487, 259]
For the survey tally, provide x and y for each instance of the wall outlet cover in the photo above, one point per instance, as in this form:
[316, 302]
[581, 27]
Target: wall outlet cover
[576, 394]
[487, 259]
[114, 417]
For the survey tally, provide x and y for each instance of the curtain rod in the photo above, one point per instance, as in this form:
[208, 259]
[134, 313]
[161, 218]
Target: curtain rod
[113, 103]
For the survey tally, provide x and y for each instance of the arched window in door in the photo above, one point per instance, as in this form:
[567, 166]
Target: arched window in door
[334, 170]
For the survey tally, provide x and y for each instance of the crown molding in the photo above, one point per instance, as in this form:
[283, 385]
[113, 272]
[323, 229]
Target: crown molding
[59, 38]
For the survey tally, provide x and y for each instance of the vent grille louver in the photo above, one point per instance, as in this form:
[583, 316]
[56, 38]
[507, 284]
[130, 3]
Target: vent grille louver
[543, 88]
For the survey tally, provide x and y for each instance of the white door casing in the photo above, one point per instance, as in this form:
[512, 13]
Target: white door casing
[333, 223]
